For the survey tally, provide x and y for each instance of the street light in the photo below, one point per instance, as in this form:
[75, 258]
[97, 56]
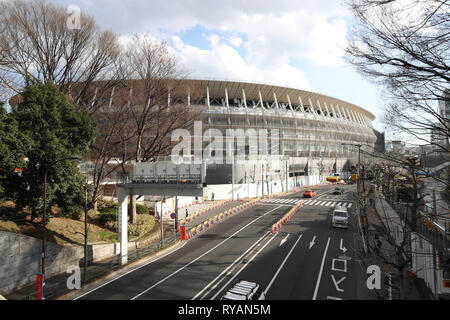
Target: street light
[44, 219]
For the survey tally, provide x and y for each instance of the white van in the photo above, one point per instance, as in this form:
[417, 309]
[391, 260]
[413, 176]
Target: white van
[340, 217]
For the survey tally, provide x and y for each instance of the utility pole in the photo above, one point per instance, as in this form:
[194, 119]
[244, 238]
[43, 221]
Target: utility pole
[44, 226]
[161, 222]
[85, 232]
[44, 218]
[176, 215]
[262, 180]
[287, 176]
[358, 192]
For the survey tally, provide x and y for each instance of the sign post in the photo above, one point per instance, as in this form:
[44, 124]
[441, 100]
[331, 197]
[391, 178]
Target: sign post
[40, 286]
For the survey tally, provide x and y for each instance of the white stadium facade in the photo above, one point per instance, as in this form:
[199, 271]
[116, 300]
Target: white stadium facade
[315, 134]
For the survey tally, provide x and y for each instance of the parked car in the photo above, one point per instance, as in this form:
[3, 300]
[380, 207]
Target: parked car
[340, 217]
[309, 194]
[338, 190]
[244, 290]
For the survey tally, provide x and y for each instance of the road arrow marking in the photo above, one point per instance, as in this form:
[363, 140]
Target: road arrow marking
[344, 249]
[337, 283]
[284, 240]
[312, 243]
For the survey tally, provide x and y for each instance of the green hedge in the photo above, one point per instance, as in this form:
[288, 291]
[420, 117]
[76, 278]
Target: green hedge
[144, 224]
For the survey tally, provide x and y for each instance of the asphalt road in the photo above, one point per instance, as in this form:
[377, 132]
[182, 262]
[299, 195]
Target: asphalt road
[305, 259]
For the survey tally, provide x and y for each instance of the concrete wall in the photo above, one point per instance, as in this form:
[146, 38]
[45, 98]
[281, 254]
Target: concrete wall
[20, 259]
[21, 256]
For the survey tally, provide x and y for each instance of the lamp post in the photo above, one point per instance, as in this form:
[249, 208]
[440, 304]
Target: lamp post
[44, 218]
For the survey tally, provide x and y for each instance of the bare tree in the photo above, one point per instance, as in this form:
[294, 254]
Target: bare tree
[404, 46]
[158, 99]
[36, 43]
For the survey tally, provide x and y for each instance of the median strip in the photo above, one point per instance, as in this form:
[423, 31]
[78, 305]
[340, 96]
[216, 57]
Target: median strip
[287, 216]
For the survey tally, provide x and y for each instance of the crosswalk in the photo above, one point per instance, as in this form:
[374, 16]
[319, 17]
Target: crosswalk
[311, 202]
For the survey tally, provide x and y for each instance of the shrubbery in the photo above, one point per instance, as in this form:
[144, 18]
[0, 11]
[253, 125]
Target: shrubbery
[108, 218]
[140, 209]
[144, 224]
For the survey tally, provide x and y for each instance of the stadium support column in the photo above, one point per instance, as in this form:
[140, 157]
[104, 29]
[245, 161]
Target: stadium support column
[122, 205]
[287, 175]
[262, 179]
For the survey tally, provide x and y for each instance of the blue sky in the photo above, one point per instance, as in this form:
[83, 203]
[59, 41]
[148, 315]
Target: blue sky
[295, 43]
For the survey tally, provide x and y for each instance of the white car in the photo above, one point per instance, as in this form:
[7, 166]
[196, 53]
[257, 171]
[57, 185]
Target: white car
[245, 290]
[340, 217]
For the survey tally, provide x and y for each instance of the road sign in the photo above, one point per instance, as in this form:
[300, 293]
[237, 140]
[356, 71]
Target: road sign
[173, 215]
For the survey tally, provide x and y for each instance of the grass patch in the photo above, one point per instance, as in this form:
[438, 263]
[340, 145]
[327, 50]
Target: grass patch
[108, 236]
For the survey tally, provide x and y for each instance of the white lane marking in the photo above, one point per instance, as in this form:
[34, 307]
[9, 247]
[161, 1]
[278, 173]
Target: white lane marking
[237, 273]
[341, 247]
[336, 284]
[319, 203]
[284, 240]
[135, 269]
[339, 204]
[350, 205]
[281, 266]
[312, 202]
[334, 268]
[327, 204]
[321, 270]
[312, 242]
[201, 256]
[226, 270]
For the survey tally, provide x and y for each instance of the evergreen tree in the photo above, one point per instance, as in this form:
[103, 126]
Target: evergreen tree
[14, 146]
[58, 130]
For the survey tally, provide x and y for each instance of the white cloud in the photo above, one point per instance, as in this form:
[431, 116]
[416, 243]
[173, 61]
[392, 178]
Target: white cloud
[270, 33]
[224, 62]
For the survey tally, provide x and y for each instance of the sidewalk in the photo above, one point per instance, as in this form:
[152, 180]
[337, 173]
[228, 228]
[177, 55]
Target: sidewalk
[409, 288]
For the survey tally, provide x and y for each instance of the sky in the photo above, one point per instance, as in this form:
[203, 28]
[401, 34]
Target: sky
[294, 43]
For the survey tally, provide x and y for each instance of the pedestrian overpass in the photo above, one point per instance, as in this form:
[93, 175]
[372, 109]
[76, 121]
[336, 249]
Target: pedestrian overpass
[162, 178]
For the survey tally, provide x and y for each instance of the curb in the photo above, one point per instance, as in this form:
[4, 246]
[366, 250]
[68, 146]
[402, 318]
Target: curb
[122, 271]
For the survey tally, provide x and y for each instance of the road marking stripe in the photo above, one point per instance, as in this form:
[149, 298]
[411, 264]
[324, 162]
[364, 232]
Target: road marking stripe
[321, 269]
[227, 270]
[349, 205]
[282, 264]
[201, 256]
[237, 273]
